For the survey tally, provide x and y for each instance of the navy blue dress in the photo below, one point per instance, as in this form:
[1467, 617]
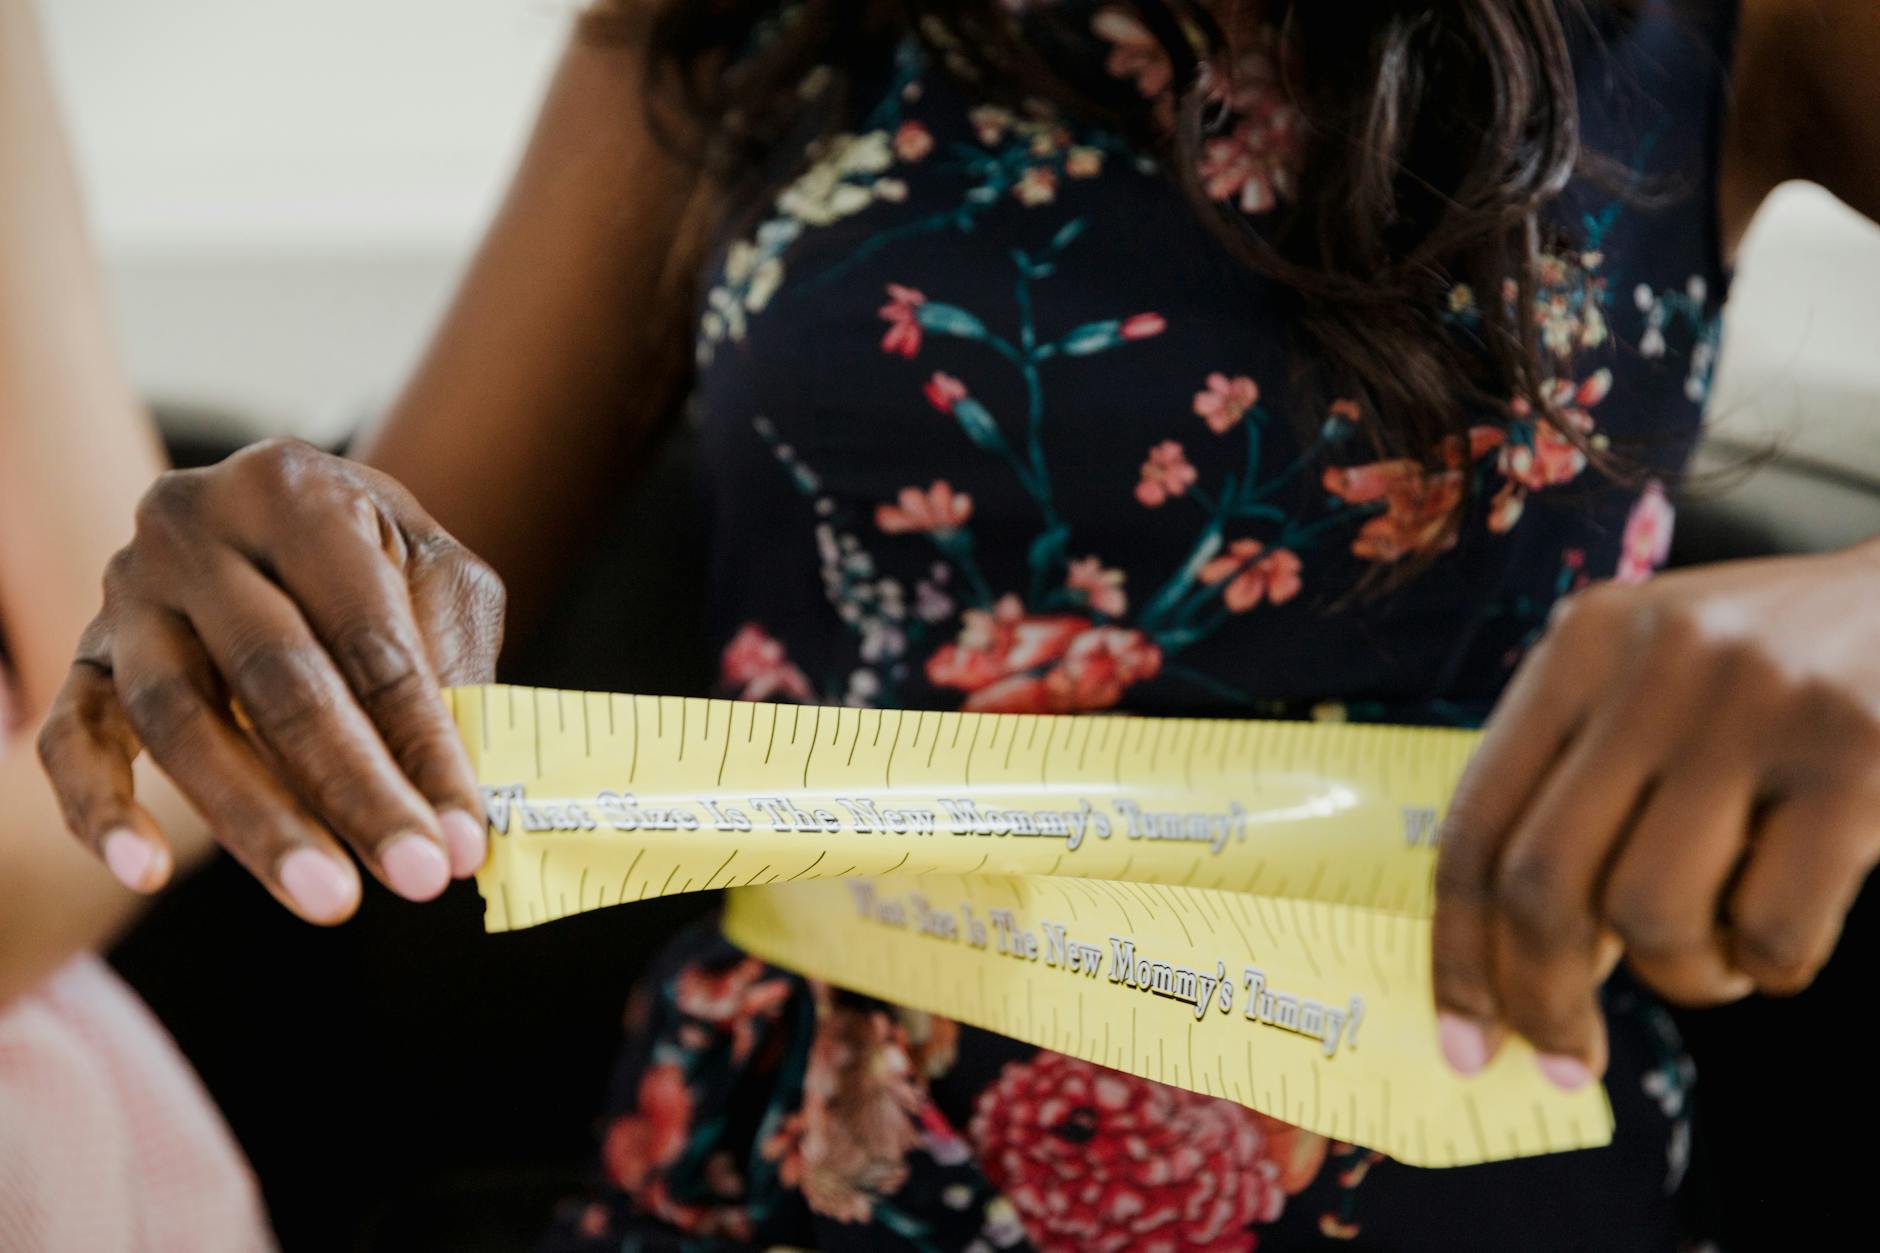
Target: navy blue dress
[991, 420]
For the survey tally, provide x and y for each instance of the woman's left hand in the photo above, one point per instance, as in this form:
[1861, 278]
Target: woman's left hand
[1685, 773]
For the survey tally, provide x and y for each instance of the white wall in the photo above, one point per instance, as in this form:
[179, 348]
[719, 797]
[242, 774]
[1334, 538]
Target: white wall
[284, 189]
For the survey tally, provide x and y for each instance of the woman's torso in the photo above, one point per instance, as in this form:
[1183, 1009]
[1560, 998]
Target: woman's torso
[991, 420]
[1063, 538]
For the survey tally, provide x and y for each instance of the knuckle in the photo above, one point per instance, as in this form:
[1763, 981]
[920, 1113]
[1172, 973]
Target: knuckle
[170, 506]
[1777, 954]
[379, 665]
[281, 464]
[279, 685]
[1548, 1020]
[60, 738]
[1536, 901]
[1672, 636]
[120, 573]
[1463, 985]
[164, 708]
[1592, 611]
[1648, 926]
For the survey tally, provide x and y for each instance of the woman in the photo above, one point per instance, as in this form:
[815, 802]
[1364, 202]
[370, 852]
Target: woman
[1235, 358]
[107, 1140]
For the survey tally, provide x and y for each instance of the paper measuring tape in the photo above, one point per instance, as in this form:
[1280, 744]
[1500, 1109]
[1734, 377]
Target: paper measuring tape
[1240, 908]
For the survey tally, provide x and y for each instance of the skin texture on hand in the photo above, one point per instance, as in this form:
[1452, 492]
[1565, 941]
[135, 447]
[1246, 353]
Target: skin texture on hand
[1686, 773]
[275, 637]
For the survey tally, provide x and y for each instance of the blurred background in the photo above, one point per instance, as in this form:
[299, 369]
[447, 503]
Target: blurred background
[284, 191]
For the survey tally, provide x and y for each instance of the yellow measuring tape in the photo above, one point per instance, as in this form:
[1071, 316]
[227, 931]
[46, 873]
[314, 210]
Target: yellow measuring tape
[1239, 908]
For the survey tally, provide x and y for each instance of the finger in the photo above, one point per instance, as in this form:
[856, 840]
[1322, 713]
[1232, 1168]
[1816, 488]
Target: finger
[1663, 895]
[356, 601]
[459, 603]
[1537, 713]
[87, 748]
[304, 712]
[171, 699]
[1547, 923]
[1806, 865]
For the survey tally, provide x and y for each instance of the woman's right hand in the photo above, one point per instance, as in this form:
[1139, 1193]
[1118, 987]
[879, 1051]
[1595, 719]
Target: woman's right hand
[276, 635]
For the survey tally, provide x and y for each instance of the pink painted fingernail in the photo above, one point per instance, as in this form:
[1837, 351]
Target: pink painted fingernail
[415, 867]
[1569, 1074]
[465, 838]
[1464, 1045]
[322, 887]
[131, 858]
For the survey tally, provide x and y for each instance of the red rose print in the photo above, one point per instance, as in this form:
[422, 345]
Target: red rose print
[758, 668]
[1096, 1159]
[1013, 662]
[1144, 326]
[903, 335]
[653, 1136]
[913, 141]
[944, 391]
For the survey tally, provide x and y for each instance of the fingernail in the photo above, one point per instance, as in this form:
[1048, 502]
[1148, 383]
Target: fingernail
[322, 887]
[465, 838]
[131, 858]
[1464, 1045]
[415, 867]
[1569, 1074]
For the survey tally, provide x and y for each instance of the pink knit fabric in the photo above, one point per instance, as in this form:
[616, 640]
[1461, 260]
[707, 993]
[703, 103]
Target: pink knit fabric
[108, 1143]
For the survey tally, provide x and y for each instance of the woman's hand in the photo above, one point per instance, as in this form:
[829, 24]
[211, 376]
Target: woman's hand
[1685, 772]
[275, 636]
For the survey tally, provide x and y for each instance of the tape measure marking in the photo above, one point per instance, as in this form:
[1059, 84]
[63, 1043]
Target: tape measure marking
[1271, 881]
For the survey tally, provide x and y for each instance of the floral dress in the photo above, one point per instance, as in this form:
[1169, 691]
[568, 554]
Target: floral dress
[991, 420]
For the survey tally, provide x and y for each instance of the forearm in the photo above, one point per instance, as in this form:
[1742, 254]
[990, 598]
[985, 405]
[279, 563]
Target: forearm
[564, 344]
[76, 449]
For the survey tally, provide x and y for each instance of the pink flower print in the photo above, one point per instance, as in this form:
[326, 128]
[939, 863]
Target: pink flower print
[1102, 589]
[1135, 52]
[1254, 163]
[937, 511]
[913, 141]
[1166, 473]
[1647, 543]
[759, 669]
[944, 391]
[1083, 162]
[1225, 400]
[1143, 326]
[903, 335]
[1252, 577]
